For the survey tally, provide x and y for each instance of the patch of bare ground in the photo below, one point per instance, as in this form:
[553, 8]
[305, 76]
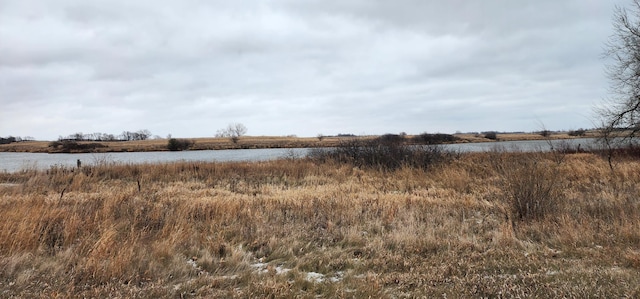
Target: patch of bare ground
[301, 228]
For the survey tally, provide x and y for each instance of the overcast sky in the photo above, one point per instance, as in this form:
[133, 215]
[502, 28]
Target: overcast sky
[295, 67]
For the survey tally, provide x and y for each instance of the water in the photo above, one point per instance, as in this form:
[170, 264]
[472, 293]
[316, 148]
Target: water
[11, 162]
[527, 146]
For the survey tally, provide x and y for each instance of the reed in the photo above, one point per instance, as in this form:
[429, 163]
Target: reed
[305, 228]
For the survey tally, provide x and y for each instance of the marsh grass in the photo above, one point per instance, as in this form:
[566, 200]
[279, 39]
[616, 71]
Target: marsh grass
[265, 229]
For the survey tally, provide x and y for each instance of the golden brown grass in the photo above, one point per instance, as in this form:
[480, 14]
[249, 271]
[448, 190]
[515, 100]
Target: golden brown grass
[265, 229]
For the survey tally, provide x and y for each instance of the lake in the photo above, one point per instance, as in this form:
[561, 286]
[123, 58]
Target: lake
[11, 162]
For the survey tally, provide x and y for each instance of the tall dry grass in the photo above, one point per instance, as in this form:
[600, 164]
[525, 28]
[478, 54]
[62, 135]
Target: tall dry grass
[299, 228]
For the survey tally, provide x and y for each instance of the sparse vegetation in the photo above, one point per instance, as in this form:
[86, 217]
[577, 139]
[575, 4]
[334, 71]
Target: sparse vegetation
[309, 228]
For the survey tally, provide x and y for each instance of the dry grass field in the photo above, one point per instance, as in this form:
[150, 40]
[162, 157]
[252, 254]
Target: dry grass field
[496, 225]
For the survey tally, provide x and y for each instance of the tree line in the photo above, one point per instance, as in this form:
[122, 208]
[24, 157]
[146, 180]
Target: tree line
[124, 136]
[12, 139]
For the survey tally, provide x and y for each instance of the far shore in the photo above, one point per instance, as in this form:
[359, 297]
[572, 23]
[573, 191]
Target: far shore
[253, 142]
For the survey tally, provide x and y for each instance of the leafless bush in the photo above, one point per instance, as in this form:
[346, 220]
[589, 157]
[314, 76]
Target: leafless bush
[578, 132]
[426, 138]
[532, 184]
[384, 153]
[179, 144]
[491, 135]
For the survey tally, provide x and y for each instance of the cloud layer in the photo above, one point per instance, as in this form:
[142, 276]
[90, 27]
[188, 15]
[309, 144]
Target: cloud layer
[188, 68]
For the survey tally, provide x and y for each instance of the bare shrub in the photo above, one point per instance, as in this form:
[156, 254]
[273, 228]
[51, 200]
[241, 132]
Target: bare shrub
[491, 135]
[578, 132]
[426, 138]
[179, 144]
[387, 152]
[532, 185]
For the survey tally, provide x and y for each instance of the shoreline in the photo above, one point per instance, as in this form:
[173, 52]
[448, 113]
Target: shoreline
[249, 142]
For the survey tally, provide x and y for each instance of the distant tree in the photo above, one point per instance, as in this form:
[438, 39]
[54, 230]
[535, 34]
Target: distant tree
[126, 136]
[139, 135]
[545, 133]
[144, 134]
[233, 131]
[109, 137]
[320, 137]
[237, 130]
[8, 140]
[77, 136]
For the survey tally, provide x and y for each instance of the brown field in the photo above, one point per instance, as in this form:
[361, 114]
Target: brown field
[246, 142]
[483, 225]
[253, 142]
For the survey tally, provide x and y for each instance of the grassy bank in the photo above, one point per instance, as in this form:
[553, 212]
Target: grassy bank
[161, 144]
[249, 142]
[480, 225]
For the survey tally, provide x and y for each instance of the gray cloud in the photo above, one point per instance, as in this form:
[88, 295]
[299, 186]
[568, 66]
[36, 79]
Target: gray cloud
[299, 67]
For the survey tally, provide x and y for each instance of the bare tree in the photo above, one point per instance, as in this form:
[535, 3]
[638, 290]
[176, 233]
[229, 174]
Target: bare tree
[77, 136]
[620, 114]
[144, 134]
[237, 129]
[126, 136]
[233, 131]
